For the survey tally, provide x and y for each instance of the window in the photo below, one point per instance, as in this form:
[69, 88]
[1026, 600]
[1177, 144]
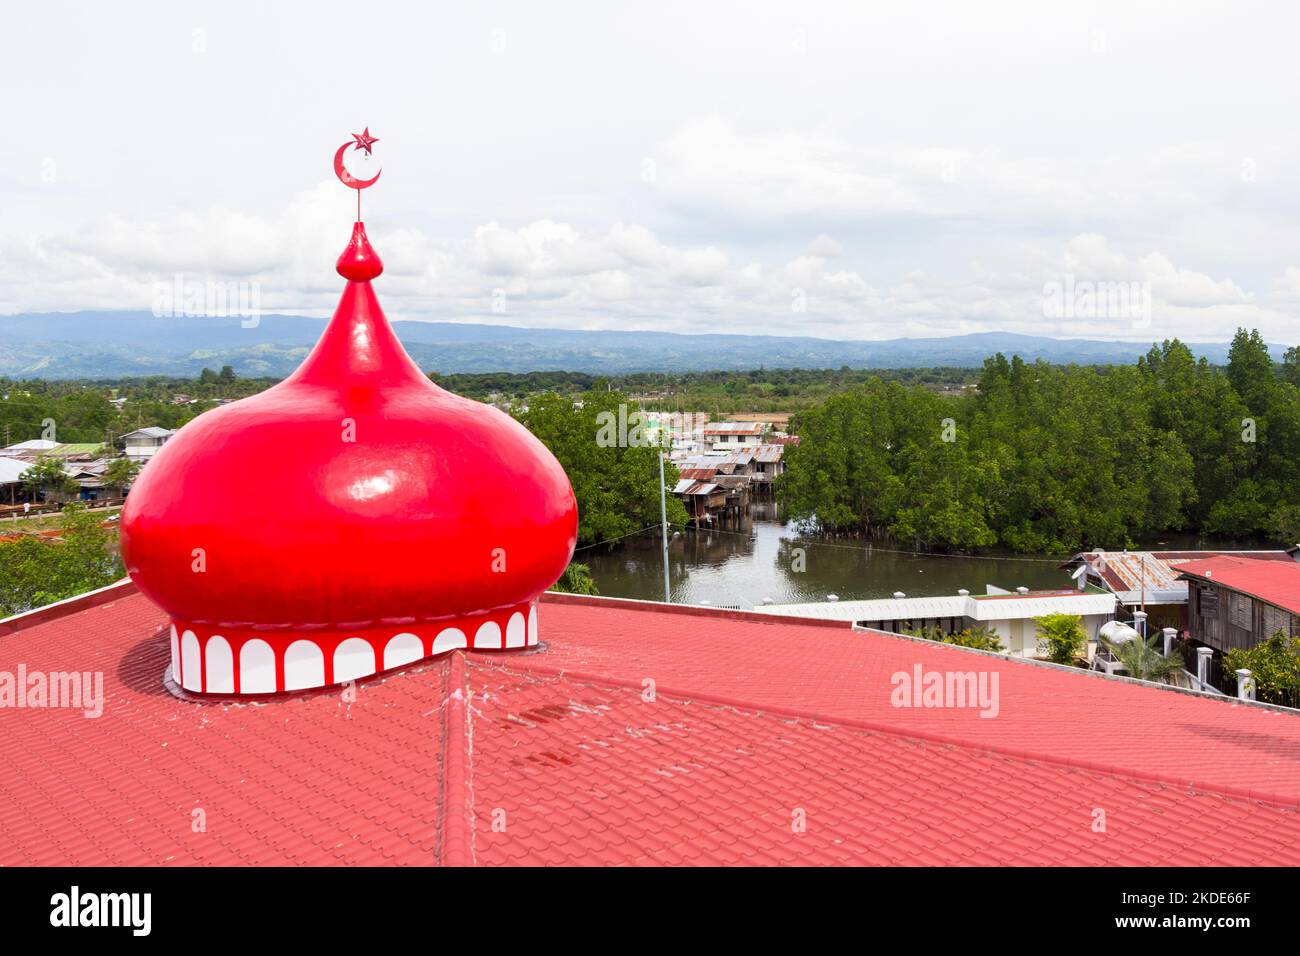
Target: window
[1241, 611]
[1207, 602]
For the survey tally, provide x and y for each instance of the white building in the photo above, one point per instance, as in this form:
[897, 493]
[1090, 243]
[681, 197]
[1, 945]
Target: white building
[36, 446]
[1011, 615]
[11, 472]
[143, 443]
[733, 434]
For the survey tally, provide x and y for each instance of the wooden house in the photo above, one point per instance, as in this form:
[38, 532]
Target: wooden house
[1240, 602]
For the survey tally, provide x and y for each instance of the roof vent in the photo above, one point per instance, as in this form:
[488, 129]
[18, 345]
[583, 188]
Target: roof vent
[899, 595]
[1022, 590]
[832, 597]
[962, 592]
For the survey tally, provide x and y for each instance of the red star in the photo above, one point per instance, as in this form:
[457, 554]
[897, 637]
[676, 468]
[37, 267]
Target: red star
[364, 140]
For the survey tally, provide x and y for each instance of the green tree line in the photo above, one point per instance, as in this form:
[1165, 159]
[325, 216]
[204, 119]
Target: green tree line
[1049, 459]
[83, 411]
[717, 392]
[35, 571]
[616, 483]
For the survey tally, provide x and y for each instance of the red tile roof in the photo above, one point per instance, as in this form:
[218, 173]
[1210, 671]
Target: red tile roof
[1275, 582]
[753, 724]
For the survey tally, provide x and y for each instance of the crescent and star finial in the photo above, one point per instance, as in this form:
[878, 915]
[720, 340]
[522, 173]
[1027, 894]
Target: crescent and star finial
[364, 141]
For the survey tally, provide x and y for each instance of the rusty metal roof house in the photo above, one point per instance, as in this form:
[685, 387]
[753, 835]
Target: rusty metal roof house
[1143, 579]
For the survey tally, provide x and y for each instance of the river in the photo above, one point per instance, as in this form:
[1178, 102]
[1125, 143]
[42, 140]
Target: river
[739, 565]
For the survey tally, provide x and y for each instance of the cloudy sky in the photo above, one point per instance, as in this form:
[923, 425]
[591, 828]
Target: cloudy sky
[851, 170]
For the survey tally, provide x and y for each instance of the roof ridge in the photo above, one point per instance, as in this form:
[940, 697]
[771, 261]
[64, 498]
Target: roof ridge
[1288, 801]
[456, 847]
[690, 610]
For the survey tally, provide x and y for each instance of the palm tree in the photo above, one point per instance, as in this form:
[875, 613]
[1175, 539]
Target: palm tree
[1141, 659]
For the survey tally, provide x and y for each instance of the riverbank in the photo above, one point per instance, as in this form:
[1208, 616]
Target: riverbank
[763, 557]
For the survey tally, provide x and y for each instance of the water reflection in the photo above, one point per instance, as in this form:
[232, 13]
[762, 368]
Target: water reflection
[741, 562]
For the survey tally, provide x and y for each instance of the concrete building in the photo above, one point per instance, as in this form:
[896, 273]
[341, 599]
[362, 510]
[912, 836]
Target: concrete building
[143, 443]
[1011, 615]
[733, 434]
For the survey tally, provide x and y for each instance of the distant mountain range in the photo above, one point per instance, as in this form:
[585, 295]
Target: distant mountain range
[118, 344]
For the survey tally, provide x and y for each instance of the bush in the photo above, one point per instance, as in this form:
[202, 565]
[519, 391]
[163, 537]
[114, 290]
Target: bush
[978, 637]
[35, 571]
[1061, 637]
[1275, 665]
[576, 579]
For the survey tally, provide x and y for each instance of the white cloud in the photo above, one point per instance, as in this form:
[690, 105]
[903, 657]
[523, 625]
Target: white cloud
[825, 247]
[1287, 287]
[553, 274]
[900, 172]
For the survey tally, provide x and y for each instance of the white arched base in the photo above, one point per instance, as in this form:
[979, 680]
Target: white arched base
[210, 659]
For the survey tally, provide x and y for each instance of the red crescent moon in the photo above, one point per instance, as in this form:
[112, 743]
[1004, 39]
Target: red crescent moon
[345, 177]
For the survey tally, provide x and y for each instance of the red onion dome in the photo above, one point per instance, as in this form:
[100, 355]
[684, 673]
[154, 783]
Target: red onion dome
[351, 519]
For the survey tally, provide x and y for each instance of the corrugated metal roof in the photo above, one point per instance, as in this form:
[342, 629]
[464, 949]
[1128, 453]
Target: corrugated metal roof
[10, 469]
[703, 461]
[1152, 576]
[35, 444]
[85, 467]
[688, 487]
[995, 608]
[1274, 582]
[769, 453]
[734, 428]
[78, 448]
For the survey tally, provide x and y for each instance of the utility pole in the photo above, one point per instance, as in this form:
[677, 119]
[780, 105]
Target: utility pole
[1143, 566]
[663, 517]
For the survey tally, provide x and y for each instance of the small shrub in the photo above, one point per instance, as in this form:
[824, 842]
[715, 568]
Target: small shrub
[1275, 665]
[1061, 637]
[978, 637]
[576, 579]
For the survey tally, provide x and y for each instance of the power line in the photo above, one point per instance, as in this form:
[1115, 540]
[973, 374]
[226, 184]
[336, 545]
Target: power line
[919, 554]
[618, 538]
